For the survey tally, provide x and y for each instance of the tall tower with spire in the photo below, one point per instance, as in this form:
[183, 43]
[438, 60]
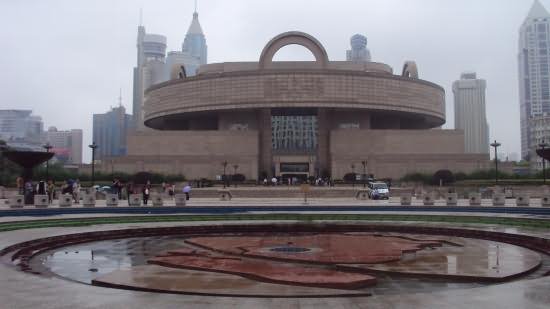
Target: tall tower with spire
[193, 50]
[534, 81]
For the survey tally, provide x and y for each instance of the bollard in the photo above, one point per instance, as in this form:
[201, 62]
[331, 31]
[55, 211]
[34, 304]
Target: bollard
[41, 201]
[157, 200]
[225, 195]
[181, 199]
[522, 200]
[362, 195]
[17, 201]
[65, 200]
[111, 200]
[499, 199]
[406, 199]
[451, 199]
[135, 200]
[428, 199]
[475, 199]
[88, 200]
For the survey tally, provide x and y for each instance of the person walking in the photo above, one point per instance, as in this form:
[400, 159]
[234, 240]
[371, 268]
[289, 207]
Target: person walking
[186, 191]
[20, 185]
[76, 191]
[41, 187]
[171, 189]
[146, 192]
[51, 191]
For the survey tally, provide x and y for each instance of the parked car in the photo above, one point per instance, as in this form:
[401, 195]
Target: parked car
[378, 190]
[103, 189]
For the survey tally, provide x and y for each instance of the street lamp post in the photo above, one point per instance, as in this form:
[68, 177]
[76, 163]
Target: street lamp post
[94, 147]
[235, 167]
[543, 146]
[364, 173]
[47, 147]
[496, 145]
[224, 163]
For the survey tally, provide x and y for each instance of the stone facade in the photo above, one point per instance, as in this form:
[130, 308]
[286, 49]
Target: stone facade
[194, 154]
[394, 153]
[362, 111]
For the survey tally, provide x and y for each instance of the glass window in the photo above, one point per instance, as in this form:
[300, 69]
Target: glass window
[295, 167]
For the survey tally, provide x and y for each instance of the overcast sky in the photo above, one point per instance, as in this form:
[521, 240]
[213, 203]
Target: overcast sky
[67, 59]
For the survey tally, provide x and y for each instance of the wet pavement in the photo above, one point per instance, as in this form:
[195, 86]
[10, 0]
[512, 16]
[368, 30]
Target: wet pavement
[22, 290]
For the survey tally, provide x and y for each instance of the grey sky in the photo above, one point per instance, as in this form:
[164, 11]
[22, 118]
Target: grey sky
[67, 59]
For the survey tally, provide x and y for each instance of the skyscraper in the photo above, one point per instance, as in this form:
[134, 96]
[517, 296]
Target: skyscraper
[359, 51]
[470, 115]
[151, 53]
[110, 131]
[193, 51]
[153, 66]
[534, 83]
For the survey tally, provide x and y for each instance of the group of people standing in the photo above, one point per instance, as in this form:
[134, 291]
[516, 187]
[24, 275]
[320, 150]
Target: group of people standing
[28, 189]
[124, 191]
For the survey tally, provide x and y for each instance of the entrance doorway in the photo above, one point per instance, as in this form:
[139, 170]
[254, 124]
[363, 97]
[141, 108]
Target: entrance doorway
[296, 178]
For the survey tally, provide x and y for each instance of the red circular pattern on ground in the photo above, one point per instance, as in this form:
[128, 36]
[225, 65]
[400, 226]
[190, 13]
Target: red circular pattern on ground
[253, 257]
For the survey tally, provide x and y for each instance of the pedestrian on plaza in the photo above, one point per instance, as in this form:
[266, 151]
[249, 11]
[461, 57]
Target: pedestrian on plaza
[29, 192]
[76, 191]
[171, 188]
[265, 181]
[20, 185]
[186, 191]
[146, 191]
[51, 191]
[41, 187]
[274, 181]
[163, 187]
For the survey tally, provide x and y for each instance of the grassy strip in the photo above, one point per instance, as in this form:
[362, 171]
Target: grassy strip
[521, 222]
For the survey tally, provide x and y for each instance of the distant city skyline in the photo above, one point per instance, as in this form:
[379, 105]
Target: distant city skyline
[88, 51]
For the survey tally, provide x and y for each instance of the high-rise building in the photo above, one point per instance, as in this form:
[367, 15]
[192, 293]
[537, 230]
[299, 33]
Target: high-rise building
[534, 82]
[67, 145]
[153, 66]
[150, 69]
[20, 125]
[470, 115]
[359, 51]
[193, 51]
[110, 131]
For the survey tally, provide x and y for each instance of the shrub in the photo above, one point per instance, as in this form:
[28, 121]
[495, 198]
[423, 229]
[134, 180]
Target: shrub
[443, 177]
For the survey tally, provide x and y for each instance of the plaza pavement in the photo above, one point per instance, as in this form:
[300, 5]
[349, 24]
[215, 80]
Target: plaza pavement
[24, 290]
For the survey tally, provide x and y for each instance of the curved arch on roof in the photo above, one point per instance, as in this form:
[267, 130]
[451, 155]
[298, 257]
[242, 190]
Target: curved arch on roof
[293, 37]
[410, 70]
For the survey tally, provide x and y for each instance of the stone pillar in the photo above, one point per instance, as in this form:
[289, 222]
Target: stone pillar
[323, 140]
[266, 151]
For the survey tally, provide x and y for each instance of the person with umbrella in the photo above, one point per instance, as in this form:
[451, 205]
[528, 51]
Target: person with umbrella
[186, 190]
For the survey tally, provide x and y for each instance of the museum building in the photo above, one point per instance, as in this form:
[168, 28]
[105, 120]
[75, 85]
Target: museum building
[296, 118]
